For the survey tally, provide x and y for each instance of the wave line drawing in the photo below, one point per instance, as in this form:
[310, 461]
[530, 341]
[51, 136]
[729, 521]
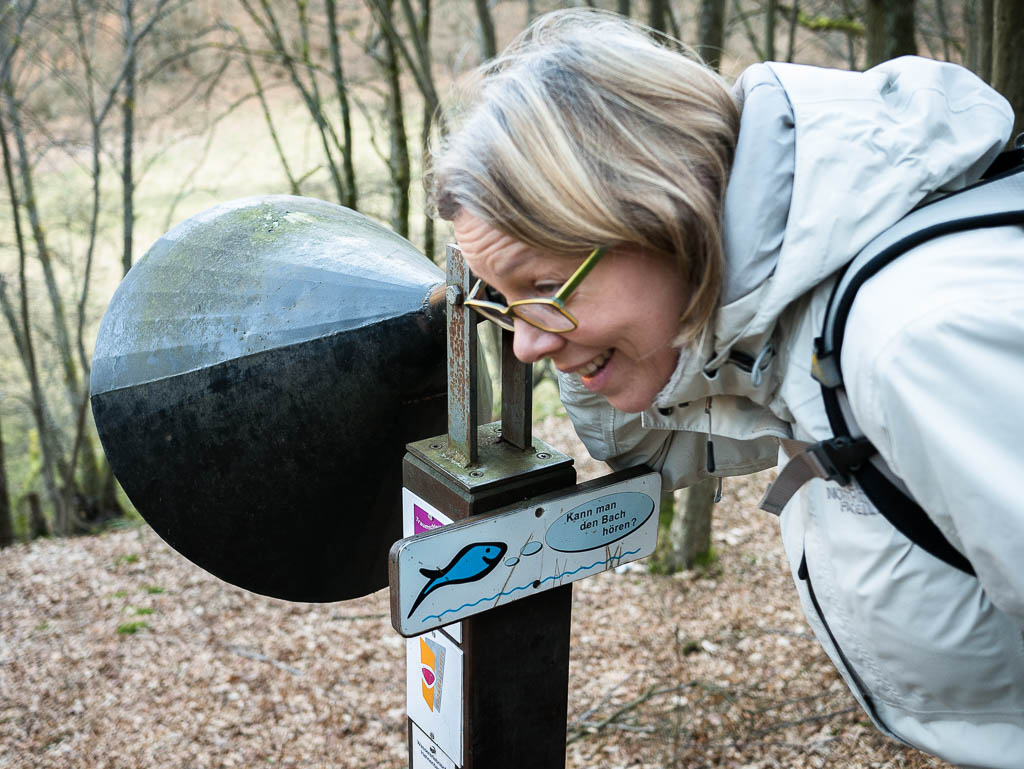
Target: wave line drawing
[530, 584]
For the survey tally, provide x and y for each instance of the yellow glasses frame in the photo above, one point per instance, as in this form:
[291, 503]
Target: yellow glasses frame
[499, 313]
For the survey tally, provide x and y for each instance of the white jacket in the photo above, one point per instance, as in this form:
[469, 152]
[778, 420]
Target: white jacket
[934, 363]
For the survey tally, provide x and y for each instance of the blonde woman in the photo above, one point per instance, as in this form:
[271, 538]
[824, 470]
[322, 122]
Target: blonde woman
[670, 244]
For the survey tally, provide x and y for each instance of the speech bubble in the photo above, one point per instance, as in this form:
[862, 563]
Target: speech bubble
[599, 522]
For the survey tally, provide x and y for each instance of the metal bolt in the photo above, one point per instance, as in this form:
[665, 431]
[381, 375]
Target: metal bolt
[536, 583]
[435, 446]
[453, 294]
[539, 512]
[476, 473]
[543, 455]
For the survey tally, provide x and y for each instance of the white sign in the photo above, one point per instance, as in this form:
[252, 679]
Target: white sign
[470, 566]
[419, 516]
[425, 753]
[433, 672]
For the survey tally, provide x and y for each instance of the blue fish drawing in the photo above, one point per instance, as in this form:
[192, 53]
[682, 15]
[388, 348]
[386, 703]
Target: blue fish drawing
[471, 563]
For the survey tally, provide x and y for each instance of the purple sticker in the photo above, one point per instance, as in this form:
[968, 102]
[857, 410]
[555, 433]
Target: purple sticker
[423, 521]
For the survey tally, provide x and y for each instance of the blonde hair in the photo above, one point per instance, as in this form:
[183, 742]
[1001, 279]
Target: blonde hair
[588, 131]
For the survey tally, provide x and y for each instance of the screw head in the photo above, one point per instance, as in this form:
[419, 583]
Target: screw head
[476, 473]
[543, 455]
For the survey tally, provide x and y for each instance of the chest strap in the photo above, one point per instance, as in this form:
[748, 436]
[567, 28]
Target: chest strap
[833, 460]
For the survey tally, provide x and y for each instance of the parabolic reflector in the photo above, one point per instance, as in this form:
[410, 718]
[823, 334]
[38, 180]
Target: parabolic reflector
[255, 380]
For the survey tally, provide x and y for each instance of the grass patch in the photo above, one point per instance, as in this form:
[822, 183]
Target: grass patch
[129, 558]
[546, 402]
[144, 610]
[706, 559]
[154, 589]
[121, 594]
[131, 628]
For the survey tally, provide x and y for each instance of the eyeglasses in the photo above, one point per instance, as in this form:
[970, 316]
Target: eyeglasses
[546, 313]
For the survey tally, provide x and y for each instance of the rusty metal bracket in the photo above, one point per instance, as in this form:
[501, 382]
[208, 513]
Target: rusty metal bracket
[462, 363]
[516, 396]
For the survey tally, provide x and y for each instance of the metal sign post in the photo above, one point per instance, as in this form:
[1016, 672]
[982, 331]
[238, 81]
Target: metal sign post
[496, 529]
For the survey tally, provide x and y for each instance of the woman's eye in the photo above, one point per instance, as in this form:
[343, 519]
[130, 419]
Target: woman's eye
[546, 289]
[493, 295]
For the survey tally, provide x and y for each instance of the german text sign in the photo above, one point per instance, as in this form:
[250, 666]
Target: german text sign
[467, 567]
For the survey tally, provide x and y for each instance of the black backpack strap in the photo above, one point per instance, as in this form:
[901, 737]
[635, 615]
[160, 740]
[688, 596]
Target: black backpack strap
[995, 201]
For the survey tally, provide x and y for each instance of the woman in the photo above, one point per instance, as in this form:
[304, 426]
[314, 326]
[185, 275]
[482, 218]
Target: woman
[709, 225]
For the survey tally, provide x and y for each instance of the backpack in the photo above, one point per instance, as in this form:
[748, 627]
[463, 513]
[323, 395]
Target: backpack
[996, 200]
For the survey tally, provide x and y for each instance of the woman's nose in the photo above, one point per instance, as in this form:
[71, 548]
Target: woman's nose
[531, 344]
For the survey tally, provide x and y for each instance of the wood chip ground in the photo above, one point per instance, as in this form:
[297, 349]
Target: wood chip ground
[115, 652]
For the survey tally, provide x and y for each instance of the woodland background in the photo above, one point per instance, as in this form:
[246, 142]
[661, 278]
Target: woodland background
[120, 118]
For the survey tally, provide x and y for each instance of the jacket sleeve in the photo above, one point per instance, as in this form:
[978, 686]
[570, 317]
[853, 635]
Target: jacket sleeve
[943, 403]
[621, 440]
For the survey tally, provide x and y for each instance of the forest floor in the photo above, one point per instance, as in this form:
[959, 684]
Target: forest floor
[117, 652]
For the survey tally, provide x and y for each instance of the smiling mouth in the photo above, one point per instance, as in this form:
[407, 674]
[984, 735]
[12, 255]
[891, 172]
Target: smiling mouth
[596, 363]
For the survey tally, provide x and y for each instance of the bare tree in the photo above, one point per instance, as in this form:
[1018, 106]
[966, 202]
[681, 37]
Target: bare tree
[426, 126]
[978, 18]
[1007, 59]
[658, 15]
[341, 91]
[69, 52]
[711, 32]
[890, 30]
[794, 22]
[414, 50]
[128, 138]
[690, 533]
[21, 328]
[398, 154]
[6, 519]
[488, 41]
[304, 77]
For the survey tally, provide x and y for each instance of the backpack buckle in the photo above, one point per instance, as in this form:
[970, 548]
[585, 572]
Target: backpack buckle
[841, 456]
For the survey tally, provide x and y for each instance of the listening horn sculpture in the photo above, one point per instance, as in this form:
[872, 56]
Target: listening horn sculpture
[255, 381]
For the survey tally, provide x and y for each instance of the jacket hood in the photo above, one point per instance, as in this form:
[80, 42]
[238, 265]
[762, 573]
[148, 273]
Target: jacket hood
[825, 161]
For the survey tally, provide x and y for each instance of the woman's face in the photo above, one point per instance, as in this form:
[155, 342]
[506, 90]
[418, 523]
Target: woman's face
[628, 310]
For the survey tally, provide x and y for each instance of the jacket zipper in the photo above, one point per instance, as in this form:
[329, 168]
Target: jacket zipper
[804, 575]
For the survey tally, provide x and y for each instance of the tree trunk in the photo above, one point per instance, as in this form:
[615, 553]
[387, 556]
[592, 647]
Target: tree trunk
[488, 44]
[257, 84]
[940, 15]
[978, 16]
[128, 131]
[272, 31]
[341, 89]
[711, 32]
[985, 38]
[769, 30]
[37, 526]
[418, 64]
[657, 15]
[890, 30]
[429, 235]
[690, 531]
[398, 157]
[6, 519]
[1008, 56]
[38, 405]
[794, 22]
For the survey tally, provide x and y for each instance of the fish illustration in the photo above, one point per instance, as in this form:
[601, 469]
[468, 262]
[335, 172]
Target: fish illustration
[471, 563]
